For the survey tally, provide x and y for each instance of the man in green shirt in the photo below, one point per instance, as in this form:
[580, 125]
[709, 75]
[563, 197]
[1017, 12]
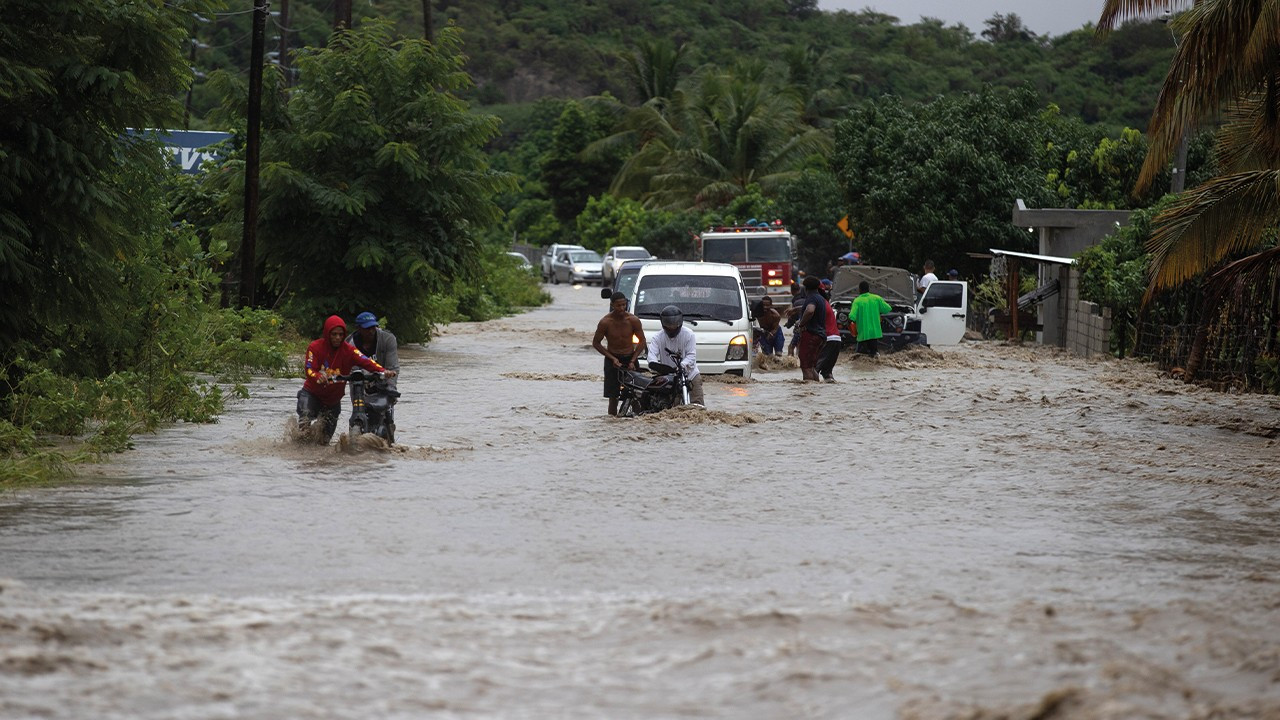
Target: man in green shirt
[866, 311]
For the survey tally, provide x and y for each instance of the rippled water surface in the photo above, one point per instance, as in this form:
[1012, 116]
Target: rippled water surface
[982, 531]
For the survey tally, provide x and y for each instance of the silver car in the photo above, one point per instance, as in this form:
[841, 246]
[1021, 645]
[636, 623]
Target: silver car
[576, 266]
[619, 254]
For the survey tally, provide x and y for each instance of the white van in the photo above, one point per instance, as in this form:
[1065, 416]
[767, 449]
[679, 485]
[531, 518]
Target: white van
[715, 308]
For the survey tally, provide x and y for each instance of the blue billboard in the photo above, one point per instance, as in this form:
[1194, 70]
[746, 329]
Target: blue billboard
[190, 148]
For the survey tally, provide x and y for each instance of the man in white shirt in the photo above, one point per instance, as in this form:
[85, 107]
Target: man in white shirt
[927, 279]
[674, 338]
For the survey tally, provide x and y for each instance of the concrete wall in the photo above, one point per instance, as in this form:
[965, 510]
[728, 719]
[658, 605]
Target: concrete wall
[1086, 328]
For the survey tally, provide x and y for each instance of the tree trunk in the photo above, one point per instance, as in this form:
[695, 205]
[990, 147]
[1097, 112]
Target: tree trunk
[428, 31]
[1195, 357]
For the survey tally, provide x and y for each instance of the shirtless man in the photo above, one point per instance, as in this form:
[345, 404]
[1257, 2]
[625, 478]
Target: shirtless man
[619, 349]
[772, 339]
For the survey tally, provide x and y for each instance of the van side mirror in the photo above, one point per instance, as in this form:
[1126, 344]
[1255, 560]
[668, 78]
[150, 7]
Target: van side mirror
[606, 293]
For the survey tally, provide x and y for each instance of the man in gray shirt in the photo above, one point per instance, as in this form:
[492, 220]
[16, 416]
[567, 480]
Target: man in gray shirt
[376, 343]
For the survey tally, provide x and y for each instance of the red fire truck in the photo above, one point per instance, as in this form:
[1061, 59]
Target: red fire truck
[763, 252]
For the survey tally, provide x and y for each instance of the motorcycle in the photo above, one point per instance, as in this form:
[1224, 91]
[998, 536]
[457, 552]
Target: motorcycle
[372, 404]
[641, 393]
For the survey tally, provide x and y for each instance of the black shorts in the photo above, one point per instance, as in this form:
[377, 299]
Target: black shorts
[611, 375]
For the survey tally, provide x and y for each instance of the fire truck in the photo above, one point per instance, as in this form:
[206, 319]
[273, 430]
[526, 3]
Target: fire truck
[763, 252]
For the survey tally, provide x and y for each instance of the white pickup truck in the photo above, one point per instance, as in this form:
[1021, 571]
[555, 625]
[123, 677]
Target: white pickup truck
[936, 318]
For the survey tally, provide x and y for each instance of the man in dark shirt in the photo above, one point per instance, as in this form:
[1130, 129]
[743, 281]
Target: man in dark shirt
[813, 329]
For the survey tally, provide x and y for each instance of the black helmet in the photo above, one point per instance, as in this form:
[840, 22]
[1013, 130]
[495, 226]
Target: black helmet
[672, 320]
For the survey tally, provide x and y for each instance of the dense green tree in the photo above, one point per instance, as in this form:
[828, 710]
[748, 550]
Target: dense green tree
[76, 189]
[607, 221]
[374, 187]
[811, 205]
[568, 176]
[939, 180]
[1003, 28]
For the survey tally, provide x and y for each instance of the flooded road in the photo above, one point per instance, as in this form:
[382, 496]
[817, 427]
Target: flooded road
[978, 532]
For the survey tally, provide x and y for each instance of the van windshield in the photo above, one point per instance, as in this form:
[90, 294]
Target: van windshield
[707, 296]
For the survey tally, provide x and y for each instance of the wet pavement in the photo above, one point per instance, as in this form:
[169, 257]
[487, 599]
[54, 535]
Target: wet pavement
[978, 531]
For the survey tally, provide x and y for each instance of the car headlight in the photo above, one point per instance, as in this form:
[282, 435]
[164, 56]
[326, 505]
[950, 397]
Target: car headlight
[737, 348]
[577, 269]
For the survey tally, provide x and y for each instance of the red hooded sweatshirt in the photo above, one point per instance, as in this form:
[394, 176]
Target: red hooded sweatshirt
[324, 359]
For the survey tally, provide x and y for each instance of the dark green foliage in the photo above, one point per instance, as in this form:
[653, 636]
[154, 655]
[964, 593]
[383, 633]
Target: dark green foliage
[373, 183]
[810, 206]
[521, 52]
[104, 382]
[75, 76]
[940, 180]
[505, 288]
[567, 176]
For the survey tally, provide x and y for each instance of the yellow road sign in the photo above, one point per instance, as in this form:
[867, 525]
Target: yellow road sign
[844, 227]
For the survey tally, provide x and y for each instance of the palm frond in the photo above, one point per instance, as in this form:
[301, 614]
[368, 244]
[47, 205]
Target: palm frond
[1249, 138]
[1251, 269]
[1113, 11]
[1219, 59]
[1225, 216]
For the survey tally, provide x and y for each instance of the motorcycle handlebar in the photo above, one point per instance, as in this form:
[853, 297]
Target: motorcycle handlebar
[362, 374]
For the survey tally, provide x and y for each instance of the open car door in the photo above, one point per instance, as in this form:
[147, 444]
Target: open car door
[942, 310]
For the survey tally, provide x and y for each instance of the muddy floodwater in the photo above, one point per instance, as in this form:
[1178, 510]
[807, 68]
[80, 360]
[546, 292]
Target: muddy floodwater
[981, 531]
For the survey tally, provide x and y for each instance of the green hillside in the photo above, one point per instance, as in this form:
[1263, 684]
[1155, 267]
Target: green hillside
[520, 52]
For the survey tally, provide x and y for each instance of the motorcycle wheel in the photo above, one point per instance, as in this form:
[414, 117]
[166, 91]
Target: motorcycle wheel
[354, 434]
[626, 408]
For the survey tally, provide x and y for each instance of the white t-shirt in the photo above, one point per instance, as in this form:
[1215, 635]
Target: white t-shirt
[660, 347]
[926, 281]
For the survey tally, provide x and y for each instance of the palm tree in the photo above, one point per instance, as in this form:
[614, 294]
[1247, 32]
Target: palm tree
[704, 145]
[653, 70]
[1228, 57]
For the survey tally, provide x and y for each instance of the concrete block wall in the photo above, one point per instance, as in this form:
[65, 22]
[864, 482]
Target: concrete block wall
[1089, 329]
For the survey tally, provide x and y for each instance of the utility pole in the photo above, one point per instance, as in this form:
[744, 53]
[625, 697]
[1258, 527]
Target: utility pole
[1178, 181]
[249, 242]
[284, 43]
[427, 31]
[341, 14]
[1178, 176]
[191, 60]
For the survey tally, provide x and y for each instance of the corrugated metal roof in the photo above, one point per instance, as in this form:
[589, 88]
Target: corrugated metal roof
[1037, 258]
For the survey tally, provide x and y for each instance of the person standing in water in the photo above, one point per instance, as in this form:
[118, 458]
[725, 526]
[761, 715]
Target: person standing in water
[620, 339]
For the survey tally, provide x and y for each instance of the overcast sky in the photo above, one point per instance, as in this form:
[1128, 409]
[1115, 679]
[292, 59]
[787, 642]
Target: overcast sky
[1043, 17]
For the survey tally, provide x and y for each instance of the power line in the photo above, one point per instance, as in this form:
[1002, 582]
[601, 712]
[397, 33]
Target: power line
[215, 14]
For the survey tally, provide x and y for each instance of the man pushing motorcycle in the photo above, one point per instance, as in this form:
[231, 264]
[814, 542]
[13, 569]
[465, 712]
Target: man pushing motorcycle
[675, 340]
[327, 357]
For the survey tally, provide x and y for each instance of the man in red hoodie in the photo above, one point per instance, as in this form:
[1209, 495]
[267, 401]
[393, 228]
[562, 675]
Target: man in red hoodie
[327, 357]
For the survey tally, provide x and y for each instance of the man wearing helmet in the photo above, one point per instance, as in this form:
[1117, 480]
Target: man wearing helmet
[674, 338]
